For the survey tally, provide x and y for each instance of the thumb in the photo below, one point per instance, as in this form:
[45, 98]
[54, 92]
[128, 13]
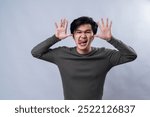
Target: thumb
[96, 35]
[68, 35]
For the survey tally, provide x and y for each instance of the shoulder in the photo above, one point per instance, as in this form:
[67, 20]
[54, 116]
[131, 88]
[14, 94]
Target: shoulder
[103, 50]
[65, 48]
[61, 49]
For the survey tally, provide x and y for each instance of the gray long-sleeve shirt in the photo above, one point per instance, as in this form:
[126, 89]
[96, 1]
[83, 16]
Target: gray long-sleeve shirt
[83, 75]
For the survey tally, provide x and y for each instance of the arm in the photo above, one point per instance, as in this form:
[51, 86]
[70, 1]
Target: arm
[44, 46]
[124, 53]
[43, 50]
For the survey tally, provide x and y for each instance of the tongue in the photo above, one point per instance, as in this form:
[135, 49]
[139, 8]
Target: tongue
[80, 42]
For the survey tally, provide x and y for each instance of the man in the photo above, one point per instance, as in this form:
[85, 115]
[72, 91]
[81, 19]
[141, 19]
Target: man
[83, 68]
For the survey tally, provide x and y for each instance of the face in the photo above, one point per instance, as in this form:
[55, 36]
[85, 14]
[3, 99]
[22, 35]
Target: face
[83, 37]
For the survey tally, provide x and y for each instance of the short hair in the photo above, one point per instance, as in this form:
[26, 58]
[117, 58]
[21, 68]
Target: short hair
[83, 20]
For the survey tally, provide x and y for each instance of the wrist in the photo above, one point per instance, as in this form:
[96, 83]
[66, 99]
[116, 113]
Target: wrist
[56, 37]
[109, 39]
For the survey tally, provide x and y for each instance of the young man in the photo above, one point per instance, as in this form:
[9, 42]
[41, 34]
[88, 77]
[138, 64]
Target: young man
[83, 68]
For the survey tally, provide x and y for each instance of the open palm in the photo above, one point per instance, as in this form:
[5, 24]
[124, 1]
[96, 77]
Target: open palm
[105, 30]
[61, 29]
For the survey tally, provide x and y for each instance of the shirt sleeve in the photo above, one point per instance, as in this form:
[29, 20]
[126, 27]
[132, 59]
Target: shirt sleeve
[123, 54]
[43, 50]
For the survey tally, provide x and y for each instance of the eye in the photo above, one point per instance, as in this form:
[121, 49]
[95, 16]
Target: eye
[88, 32]
[78, 32]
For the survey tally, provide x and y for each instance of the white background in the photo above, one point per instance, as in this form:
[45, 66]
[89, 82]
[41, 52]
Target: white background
[25, 23]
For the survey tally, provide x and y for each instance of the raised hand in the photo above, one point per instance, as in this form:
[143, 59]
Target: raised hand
[105, 30]
[61, 29]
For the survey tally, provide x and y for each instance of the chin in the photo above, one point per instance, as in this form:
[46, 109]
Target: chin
[83, 47]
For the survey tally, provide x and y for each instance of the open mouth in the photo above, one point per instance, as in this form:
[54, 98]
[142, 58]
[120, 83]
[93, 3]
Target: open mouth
[82, 42]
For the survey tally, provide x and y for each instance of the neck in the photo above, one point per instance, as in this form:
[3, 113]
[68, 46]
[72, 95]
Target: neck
[84, 51]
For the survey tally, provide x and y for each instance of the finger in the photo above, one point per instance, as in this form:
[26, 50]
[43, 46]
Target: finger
[64, 22]
[98, 23]
[96, 35]
[100, 26]
[107, 22]
[102, 21]
[69, 35]
[110, 25]
[61, 23]
[66, 25]
[56, 25]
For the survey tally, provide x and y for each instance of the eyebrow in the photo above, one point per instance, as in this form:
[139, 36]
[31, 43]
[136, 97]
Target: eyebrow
[84, 31]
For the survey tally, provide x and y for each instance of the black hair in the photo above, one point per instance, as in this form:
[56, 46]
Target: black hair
[83, 20]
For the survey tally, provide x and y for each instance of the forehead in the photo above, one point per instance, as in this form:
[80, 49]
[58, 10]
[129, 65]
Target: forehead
[84, 27]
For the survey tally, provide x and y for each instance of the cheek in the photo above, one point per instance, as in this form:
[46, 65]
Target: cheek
[75, 39]
[91, 38]
[76, 36]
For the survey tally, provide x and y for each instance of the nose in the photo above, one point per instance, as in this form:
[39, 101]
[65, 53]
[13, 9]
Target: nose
[83, 35]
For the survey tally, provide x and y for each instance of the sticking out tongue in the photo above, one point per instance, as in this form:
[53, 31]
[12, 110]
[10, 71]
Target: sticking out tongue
[83, 42]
